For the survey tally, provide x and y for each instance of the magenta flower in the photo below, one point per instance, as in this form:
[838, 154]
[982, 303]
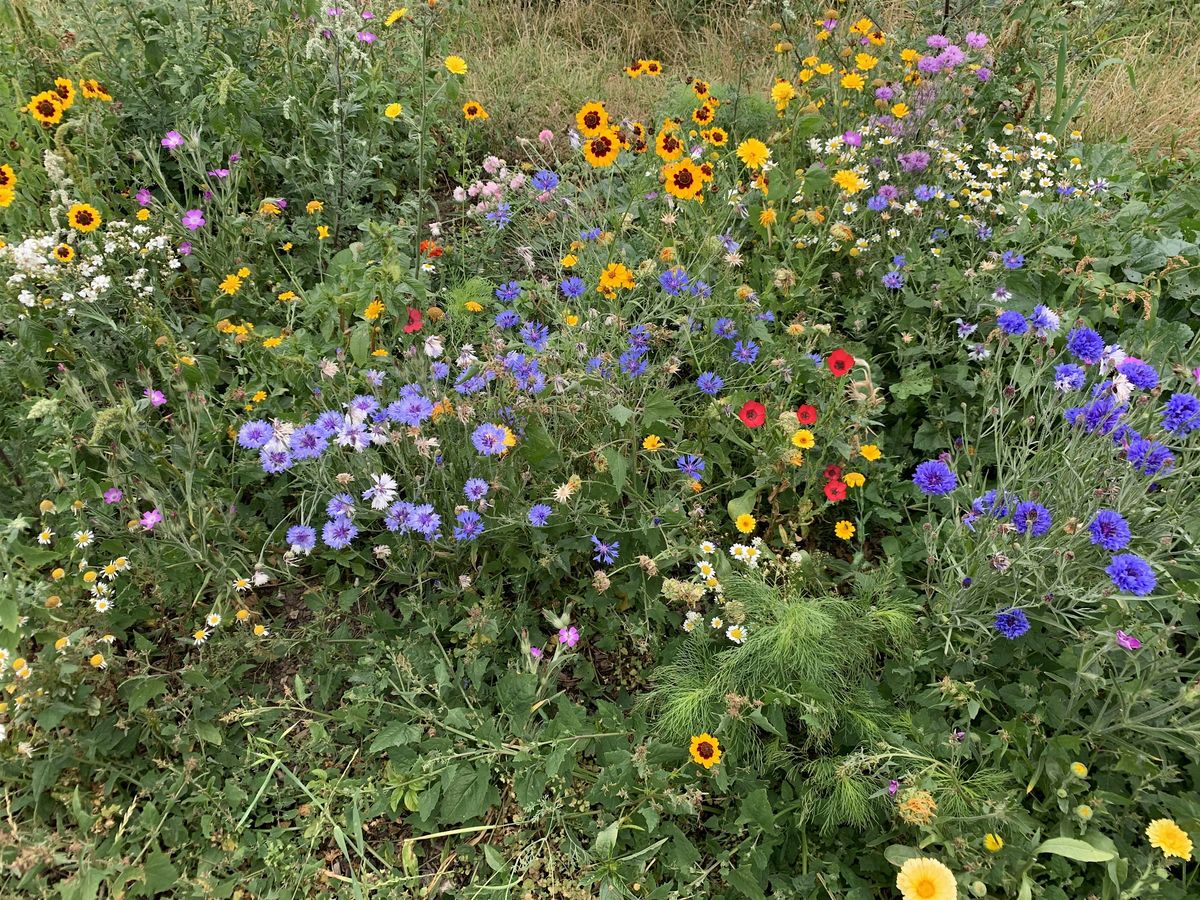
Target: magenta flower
[218, 173]
[365, 37]
[535, 652]
[150, 518]
[234, 157]
[568, 636]
[893, 786]
[113, 495]
[193, 219]
[144, 197]
[185, 249]
[173, 140]
[1127, 641]
[157, 398]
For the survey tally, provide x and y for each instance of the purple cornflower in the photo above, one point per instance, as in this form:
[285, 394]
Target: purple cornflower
[475, 489]
[489, 439]
[1110, 530]
[913, 161]
[539, 513]
[255, 434]
[338, 533]
[1012, 623]
[340, 506]
[275, 459]
[725, 328]
[507, 318]
[185, 248]
[469, 526]
[1132, 574]
[605, 553]
[193, 219]
[1149, 457]
[934, 477]
[1141, 375]
[893, 281]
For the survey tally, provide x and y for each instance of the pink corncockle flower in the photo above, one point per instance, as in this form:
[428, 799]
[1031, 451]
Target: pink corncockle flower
[156, 398]
[568, 636]
[234, 157]
[367, 14]
[535, 652]
[893, 786]
[218, 173]
[113, 495]
[1127, 641]
[193, 219]
[185, 249]
[150, 518]
[144, 197]
[173, 140]
[546, 136]
[365, 37]
[1196, 374]
[516, 182]
[853, 138]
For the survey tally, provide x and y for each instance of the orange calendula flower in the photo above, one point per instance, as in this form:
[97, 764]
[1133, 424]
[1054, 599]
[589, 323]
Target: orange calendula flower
[705, 750]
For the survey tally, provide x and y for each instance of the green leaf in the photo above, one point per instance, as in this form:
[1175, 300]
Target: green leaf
[756, 809]
[209, 733]
[161, 875]
[1073, 848]
[137, 692]
[899, 854]
[618, 468]
[398, 734]
[621, 413]
[360, 344]
[743, 505]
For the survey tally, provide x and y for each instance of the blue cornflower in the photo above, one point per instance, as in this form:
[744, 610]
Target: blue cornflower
[535, 335]
[274, 459]
[469, 527]
[1110, 530]
[639, 336]
[255, 434]
[893, 281]
[440, 370]
[725, 328]
[489, 439]
[1069, 377]
[993, 504]
[308, 442]
[983, 233]
[767, 316]
[425, 521]
[475, 489]
[1132, 574]
[1141, 375]
[1085, 345]
[899, 261]
[508, 292]
[1044, 320]
[1032, 518]
[507, 318]
[1149, 457]
[398, 517]
[1181, 414]
[605, 553]
[877, 203]
[690, 465]
[935, 477]
[411, 410]
[1012, 322]
[1012, 623]
[710, 383]
[340, 506]
[745, 352]
[363, 405]
[500, 216]
[1012, 259]
[539, 513]
[590, 234]
[924, 192]
[1100, 416]
[330, 422]
[633, 362]
[728, 244]
[544, 180]
[301, 539]
[338, 533]
[572, 287]
[674, 281]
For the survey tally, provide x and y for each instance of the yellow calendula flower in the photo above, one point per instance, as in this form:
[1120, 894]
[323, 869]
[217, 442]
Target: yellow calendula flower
[313, 206]
[1168, 837]
[322, 232]
[395, 16]
[571, 319]
[705, 750]
[844, 529]
[392, 110]
[865, 61]
[568, 261]
[652, 443]
[143, 215]
[993, 843]
[374, 310]
[746, 523]
[870, 452]
[925, 878]
[849, 181]
[230, 285]
[272, 342]
[802, 439]
[753, 153]
[285, 296]
[1079, 770]
[473, 306]
[455, 64]
[900, 110]
[853, 81]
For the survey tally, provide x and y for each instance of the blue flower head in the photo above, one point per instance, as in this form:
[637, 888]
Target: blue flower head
[934, 477]
[1012, 623]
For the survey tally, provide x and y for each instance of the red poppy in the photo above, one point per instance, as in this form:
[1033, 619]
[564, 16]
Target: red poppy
[414, 321]
[753, 414]
[806, 414]
[835, 491]
[839, 362]
[832, 472]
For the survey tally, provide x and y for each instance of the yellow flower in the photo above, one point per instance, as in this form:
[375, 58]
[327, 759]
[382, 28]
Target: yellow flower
[683, 179]
[1168, 837]
[844, 529]
[803, 439]
[96, 661]
[46, 107]
[849, 181]
[455, 64]
[143, 215]
[230, 285]
[313, 206]
[900, 110]
[1083, 811]
[705, 750]
[614, 276]
[83, 217]
[870, 452]
[824, 69]
[767, 217]
[392, 110]
[272, 342]
[569, 260]
[992, 842]
[473, 110]
[602, 150]
[288, 295]
[373, 311]
[395, 16]
[753, 152]
[322, 232]
[855, 479]
[473, 306]
[259, 396]
[853, 81]
[270, 208]
[1079, 770]
[571, 319]
[925, 878]
[746, 523]
[243, 272]
[652, 444]
[286, 247]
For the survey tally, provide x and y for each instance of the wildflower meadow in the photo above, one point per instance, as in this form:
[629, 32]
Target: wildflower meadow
[760, 462]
